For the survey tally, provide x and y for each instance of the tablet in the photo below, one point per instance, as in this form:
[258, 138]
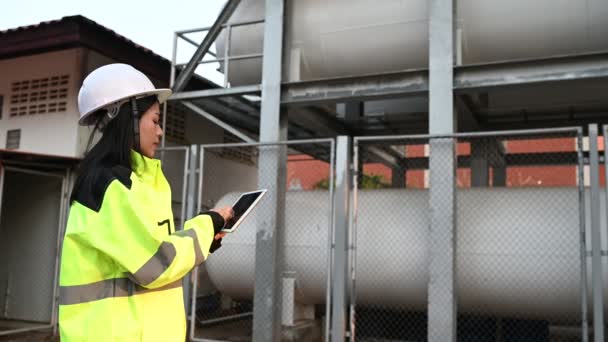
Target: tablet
[242, 207]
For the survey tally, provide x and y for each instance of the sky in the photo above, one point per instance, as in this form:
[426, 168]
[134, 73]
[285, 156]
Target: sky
[149, 23]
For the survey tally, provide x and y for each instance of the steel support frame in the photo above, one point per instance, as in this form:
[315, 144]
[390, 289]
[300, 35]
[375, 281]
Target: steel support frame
[442, 161]
[271, 175]
[415, 82]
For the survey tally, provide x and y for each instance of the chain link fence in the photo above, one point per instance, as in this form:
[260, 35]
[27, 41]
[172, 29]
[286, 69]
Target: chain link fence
[29, 247]
[518, 201]
[224, 284]
[518, 237]
[390, 238]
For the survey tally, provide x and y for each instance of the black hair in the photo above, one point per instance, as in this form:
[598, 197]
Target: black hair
[113, 149]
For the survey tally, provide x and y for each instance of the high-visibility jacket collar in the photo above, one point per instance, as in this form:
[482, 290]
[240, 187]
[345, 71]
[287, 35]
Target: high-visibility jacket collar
[145, 168]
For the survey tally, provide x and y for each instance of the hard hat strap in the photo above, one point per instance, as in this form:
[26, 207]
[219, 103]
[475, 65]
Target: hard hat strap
[135, 114]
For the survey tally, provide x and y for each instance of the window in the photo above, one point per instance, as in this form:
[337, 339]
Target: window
[39, 96]
[13, 137]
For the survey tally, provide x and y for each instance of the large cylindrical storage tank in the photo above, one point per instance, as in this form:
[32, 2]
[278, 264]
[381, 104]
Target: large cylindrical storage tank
[353, 37]
[518, 251]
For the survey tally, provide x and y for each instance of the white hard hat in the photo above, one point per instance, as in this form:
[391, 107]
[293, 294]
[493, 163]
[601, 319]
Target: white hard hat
[112, 85]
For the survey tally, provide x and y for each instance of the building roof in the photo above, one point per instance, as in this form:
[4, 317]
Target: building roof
[79, 31]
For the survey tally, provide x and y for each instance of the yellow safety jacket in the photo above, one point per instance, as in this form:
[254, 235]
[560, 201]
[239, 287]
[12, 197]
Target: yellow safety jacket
[122, 261]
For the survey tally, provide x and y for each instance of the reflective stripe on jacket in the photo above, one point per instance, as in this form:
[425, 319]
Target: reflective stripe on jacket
[122, 262]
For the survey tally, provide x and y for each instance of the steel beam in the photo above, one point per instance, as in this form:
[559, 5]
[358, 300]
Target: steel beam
[544, 70]
[361, 88]
[271, 175]
[466, 79]
[210, 37]
[442, 194]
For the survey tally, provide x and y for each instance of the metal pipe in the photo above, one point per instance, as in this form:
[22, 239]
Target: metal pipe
[330, 237]
[596, 238]
[171, 81]
[583, 241]
[195, 44]
[173, 61]
[179, 35]
[246, 22]
[226, 56]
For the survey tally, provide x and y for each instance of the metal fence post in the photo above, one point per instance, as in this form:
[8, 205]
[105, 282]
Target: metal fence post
[340, 251]
[582, 234]
[190, 207]
[596, 238]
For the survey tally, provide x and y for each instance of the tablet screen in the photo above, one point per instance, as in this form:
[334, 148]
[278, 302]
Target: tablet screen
[242, 205]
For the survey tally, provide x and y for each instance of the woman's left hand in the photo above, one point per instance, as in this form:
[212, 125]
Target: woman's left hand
[219, 236]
